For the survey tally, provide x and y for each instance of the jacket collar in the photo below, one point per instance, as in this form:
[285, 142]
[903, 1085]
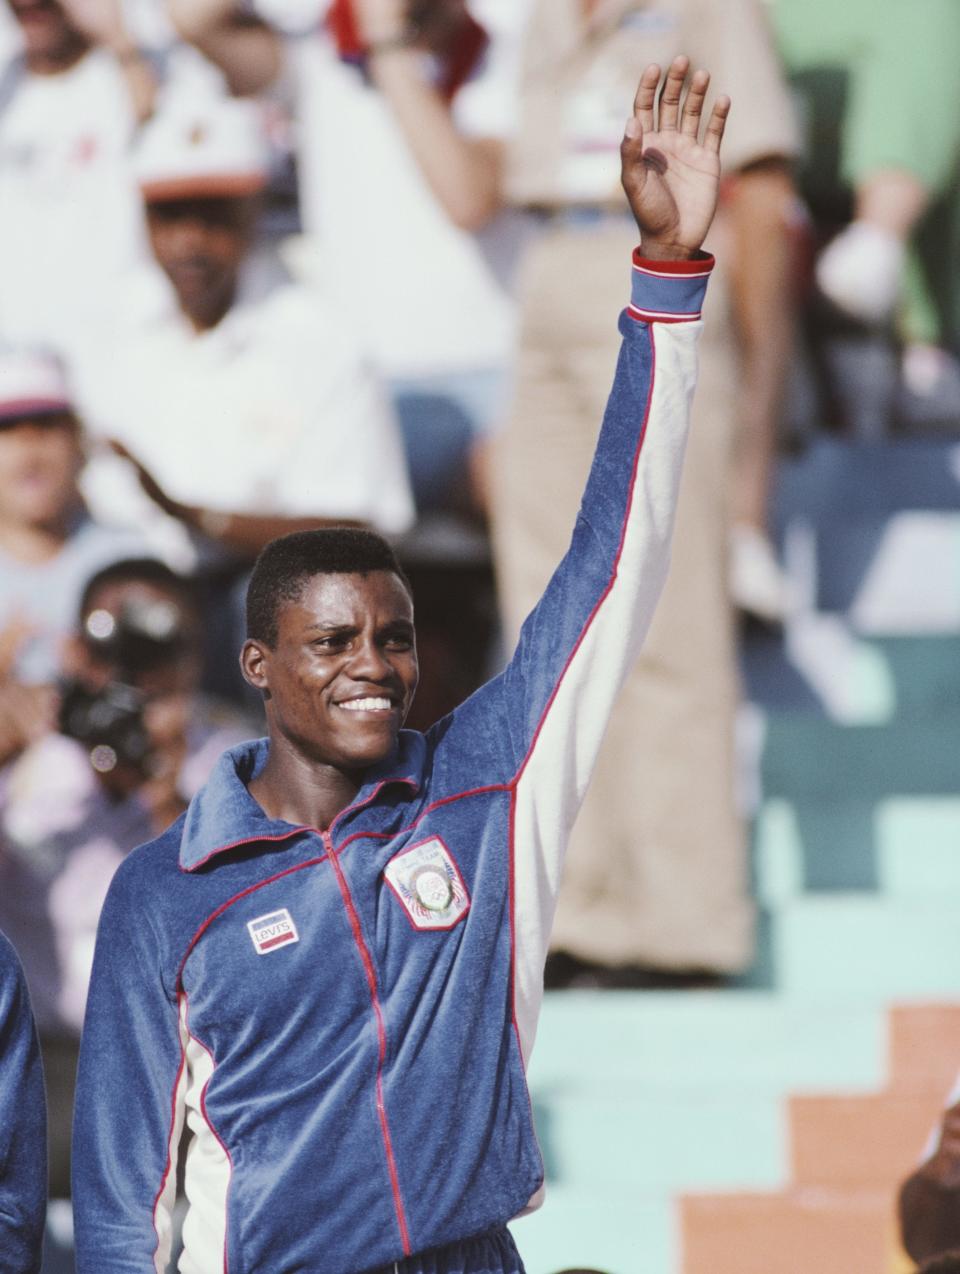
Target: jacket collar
[223, 814]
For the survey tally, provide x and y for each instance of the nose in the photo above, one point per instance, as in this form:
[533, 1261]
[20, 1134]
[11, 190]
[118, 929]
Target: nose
[187, 235]
[369, 662]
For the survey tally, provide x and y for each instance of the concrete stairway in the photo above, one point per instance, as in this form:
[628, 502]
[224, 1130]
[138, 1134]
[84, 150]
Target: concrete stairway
[763, 1130]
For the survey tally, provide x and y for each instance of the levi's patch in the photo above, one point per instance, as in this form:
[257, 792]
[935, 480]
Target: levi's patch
[272, 931]
[428, 883]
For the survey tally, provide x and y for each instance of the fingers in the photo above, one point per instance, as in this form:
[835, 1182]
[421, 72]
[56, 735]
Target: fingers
[717, 123]
[646, 97]
[693, 106]
[671, 92]
[671, 117]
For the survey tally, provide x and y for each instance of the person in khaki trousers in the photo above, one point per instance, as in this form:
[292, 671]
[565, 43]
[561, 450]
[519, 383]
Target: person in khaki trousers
[655, 887]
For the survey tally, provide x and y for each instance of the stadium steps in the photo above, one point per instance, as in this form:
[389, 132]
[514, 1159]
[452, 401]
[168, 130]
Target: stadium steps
[764, 1130]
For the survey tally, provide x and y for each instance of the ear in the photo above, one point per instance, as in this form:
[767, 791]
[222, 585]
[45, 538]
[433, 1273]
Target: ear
[254, 665]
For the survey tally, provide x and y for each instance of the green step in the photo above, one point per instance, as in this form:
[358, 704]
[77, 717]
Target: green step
[615, 1230]
[861, 945]
[592, 1041]
[650, 1137]
[809, 759]
[905, 847]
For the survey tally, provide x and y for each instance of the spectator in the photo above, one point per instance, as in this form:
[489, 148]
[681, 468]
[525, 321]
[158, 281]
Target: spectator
[930, 1196]
[49, 545]
[135, 741]
[416, 100]
[23, 1149]
[656, 883]
[239, 396]
[70, 225]
[876, 182]
[892, 161]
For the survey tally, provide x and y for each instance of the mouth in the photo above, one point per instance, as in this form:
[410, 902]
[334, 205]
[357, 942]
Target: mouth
[378, 705]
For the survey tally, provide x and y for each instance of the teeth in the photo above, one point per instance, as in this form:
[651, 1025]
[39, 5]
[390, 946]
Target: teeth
[367, 705]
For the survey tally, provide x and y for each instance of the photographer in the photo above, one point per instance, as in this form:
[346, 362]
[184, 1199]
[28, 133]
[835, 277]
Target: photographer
[134, 741]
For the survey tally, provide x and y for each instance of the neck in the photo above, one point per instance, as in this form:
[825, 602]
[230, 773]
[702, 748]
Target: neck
[32, 545]
[60, 60]
[294, 788]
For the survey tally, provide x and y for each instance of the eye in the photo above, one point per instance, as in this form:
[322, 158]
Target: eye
[398, 641]
[333, 641]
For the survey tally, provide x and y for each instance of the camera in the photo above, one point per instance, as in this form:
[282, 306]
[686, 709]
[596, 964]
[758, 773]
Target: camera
[143, 636]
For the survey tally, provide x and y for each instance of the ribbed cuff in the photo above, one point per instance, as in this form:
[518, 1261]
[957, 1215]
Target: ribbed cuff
[669, 291]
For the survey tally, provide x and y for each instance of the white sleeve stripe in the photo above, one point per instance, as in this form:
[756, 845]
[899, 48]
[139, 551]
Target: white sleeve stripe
[166, 1195]
[555, 773]
[208, 1173]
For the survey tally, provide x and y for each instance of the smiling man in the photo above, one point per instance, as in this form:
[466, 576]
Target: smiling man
[331, 966]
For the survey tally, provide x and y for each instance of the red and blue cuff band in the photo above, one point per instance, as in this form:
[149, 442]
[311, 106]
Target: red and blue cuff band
[669, 291]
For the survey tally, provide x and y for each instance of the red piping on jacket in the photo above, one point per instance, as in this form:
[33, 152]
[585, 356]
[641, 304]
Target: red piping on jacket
[381, 1038]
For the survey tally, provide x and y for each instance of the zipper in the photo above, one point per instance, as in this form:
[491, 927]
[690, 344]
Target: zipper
[371, 975]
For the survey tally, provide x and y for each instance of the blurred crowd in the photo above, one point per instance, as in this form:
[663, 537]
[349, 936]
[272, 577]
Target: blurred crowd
[270, 265]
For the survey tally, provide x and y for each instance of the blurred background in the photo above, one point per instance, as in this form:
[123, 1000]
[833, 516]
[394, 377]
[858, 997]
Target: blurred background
[279, 264]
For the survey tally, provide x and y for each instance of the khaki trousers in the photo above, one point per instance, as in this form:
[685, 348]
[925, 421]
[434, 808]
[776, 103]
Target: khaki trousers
[656, 872]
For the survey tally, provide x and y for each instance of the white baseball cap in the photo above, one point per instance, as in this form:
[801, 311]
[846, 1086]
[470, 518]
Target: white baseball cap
[32, 383]
[207, 148]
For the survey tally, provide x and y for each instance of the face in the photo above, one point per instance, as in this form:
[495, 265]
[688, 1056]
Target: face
[46, 29]
[39, 462]
[342, 676]
[200, 245]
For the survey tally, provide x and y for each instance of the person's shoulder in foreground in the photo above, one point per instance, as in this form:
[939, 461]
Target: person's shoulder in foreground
[23, 1124]
[331, 966]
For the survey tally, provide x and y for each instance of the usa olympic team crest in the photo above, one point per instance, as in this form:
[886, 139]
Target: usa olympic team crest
[429, 885]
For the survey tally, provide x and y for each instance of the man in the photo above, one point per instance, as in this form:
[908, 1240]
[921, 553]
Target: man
[23, 1132]
[331, 967]
[426, 95]
[656, 889]
[49, 544]
[134, 742]
[70, 99]
[929, 1200]
[241, 397]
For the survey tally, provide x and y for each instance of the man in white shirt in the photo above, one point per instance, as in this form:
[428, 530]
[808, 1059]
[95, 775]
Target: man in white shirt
[420, 108]
[240, 397]
[70, 222]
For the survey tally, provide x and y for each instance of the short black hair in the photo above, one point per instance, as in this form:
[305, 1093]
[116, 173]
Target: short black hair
[285, 565]
[146, 570]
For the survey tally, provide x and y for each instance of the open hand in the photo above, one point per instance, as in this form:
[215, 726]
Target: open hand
[671, 178]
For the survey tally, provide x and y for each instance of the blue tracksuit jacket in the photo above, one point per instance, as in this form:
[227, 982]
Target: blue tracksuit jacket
[23, 1124]
[343, 1017]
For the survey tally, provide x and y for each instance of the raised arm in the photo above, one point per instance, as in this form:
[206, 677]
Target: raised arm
[464, 173]
[246, 50]
[545, 716]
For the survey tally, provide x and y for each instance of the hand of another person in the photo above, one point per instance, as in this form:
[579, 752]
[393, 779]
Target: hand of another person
[27, 713]
[166, 720]
[382, 21]
[148, 482]
[12, 637]
[671, 178]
